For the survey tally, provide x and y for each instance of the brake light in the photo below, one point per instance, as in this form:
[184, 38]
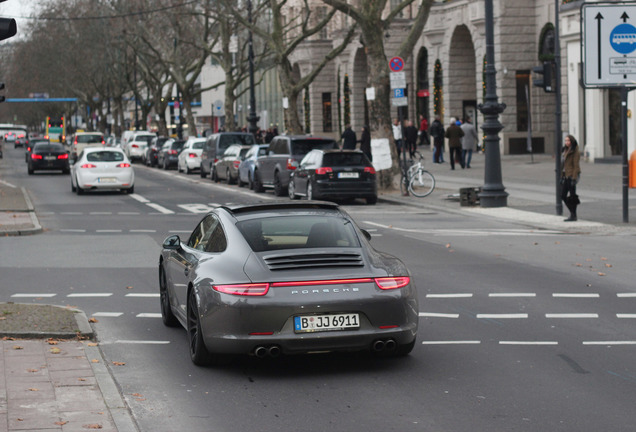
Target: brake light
[88, 165]
[192, 155]
[369, 170]
[255, 289]
[387, 283]
[103, 142]
[63, 156]
[36, 156]
[123, 165]
[292, 164]
[134, 146]
[216, 160]
[74, 141]
[172, 152]
[236, 164]
[323, 170]
[322, 282]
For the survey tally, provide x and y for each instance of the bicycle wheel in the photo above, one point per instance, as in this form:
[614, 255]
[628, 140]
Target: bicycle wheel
[422, 183]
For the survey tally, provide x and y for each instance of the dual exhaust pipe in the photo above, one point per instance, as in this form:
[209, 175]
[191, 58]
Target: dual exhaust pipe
[272, 351]
[381, 345]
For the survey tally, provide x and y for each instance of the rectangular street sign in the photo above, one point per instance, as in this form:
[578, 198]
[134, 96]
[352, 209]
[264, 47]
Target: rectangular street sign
[608, 49]
[398, 80]
[398, 93]
[400, 101]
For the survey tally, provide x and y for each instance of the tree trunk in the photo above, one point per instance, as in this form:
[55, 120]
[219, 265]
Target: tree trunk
[293, 125]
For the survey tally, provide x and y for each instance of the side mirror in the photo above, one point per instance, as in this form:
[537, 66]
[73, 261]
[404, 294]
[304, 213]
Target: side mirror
[172, 243]
[366, 233]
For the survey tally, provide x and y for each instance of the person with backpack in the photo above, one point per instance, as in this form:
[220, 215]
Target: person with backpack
[437, 133]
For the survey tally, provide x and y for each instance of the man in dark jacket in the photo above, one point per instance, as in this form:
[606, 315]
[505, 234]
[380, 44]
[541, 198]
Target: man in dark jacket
[454, 133]
[349, 138]
[365, 142]
[437, 133]
[410, 135]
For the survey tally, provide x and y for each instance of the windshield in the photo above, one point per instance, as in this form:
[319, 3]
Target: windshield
[298, 232]
[89, 139]
[343, 159]
[227, 140]
[198, 145]
[48, 147]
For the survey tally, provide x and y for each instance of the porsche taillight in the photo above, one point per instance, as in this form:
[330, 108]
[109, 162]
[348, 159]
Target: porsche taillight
[251, 289]
[388, 283]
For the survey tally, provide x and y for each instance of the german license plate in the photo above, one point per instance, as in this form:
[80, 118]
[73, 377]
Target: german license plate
[106, 180]
[348, 175]
[49, 158]
[316, 323]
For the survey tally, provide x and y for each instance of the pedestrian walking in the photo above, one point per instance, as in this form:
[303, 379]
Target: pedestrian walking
[469, 141]
[570, 175]
[365, 142]
[423, 131]
[349, 138]
[397, 135]
[454, 133]
[437, 133]
[410, 138]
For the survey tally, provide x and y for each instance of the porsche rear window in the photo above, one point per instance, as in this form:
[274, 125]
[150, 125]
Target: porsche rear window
[105, 156]
[298, 232]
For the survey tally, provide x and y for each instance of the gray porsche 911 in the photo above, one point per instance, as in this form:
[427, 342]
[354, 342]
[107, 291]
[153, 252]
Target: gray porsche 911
[285, 278]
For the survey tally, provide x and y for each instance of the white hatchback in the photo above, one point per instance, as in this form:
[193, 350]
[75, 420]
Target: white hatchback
[102, 168]
[190, 157]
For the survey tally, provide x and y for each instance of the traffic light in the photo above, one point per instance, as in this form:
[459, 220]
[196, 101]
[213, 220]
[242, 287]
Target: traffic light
[8, 27]
[545, 78]
[1, 88]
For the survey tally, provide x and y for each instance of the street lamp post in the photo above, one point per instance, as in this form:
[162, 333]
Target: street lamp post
[492, 193]
[252, 117]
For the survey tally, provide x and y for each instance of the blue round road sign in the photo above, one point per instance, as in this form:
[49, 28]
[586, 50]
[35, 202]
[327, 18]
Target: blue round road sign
[623, 38]
[396, 64]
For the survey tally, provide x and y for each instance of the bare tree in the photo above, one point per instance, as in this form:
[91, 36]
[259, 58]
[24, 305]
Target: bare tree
[374, 19]
[286, 34]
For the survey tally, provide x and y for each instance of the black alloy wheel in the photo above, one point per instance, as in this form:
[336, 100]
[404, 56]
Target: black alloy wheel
[278, 187]
[198, 352]
[168, 318]
[228, 177]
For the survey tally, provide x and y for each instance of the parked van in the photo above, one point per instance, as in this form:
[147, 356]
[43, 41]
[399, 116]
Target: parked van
[215, 146]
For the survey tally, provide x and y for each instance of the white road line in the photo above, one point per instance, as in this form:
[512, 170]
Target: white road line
[571, 315]
[576, 295]
[626, 295]
[179, 232]
[71, 213]
[148, 315]
[502, 316]
[8, 184]
[143, 231]
[512, 295]
[609, 343]
[108, 314]
[129, 213]
[458, 342]
[528, 343]
[103, 231]
[90, 295]
[33, 295]
[142, 295]
[139, 198]
[458, 295]
[438, 315]
[100, 213]
[160, 208]
[73, 230]
[629, 315]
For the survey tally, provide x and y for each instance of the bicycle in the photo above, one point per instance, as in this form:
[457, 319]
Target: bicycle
[417, 180]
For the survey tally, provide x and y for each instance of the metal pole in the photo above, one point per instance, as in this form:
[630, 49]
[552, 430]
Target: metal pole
[557, 126]
[624, 93]
[252, 118]
[493, 193]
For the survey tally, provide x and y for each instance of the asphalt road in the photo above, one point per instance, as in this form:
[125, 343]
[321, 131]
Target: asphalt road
[521, 329]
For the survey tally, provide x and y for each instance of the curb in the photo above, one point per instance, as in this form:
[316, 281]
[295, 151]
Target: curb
[84, 327]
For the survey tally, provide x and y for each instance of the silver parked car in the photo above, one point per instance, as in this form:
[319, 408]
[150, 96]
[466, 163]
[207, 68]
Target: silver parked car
[285, 278]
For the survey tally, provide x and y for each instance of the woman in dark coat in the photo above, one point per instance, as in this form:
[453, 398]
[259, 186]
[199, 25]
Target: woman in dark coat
[365, 142]
[570, 175]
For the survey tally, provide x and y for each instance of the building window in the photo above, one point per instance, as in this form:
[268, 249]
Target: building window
[523, 99]
[327, 123]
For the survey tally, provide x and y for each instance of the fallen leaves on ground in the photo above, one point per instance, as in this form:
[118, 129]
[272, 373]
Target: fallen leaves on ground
[92, 426]
[92, 320]
[116, 363]
[60, 423]
[94, 361]
[55, 350]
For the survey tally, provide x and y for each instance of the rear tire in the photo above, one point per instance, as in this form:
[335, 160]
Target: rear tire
[279, 190]
[291, 190]
[258, 186]
[228, 177]
[201, 172]
[199, 354]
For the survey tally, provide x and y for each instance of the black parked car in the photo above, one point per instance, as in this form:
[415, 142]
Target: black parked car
[169, 153]
[334, 174]
[152, 151]
[48, 156]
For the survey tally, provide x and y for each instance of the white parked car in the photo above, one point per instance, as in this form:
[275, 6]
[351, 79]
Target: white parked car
[190, 157]
[102, 168]
[135, 148]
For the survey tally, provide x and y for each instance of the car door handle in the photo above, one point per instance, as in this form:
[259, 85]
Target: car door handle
[186, 271]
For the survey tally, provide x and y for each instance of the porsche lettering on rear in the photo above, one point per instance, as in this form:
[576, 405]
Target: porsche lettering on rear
[325, 291]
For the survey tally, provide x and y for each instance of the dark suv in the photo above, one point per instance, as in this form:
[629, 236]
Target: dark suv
[215, 147]
[273, 170]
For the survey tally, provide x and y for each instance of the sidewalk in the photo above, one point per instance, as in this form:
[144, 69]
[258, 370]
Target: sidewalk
[54, 377]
